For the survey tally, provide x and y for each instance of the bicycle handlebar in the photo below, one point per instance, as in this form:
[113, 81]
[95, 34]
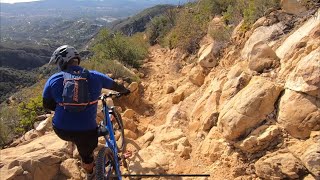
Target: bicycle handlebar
[110, 95]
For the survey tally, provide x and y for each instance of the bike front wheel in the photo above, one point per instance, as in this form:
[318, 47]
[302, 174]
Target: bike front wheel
[118, 130]
[105, 165]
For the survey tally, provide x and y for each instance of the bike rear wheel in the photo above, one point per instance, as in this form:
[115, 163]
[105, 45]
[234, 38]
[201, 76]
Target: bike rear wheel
[118, 130]
[105, 165]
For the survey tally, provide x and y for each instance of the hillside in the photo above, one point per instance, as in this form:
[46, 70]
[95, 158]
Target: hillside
[247, 108]
[138, 22]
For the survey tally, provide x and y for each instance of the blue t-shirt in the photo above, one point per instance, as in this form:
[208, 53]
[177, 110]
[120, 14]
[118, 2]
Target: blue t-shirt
[76, 121]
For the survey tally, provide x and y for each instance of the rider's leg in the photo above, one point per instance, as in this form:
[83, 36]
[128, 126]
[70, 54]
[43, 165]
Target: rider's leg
[86, 143]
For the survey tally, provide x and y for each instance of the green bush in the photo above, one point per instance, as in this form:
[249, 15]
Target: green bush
[8, 122]
[110, 66]
[115, 46]
[28, 113]
[159, 27]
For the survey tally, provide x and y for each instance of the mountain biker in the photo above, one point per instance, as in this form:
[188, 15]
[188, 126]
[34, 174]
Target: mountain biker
[77, 127]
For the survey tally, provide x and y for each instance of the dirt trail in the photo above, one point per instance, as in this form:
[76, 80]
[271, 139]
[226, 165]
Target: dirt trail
[160, 71]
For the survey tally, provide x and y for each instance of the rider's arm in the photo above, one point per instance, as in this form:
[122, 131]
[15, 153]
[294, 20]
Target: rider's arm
[108, 83]
[47, 101]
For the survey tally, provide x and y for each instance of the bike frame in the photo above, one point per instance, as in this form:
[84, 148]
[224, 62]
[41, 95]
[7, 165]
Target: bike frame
[111, 141]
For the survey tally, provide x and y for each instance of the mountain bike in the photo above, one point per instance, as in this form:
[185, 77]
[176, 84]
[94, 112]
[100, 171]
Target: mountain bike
[108, 160]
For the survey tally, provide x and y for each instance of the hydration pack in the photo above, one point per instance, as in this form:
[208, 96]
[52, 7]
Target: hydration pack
[75, 95]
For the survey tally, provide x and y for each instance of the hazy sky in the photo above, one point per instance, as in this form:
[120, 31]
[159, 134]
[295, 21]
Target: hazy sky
[15, 1]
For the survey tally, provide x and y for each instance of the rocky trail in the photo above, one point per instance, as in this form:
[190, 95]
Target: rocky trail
[245, 110]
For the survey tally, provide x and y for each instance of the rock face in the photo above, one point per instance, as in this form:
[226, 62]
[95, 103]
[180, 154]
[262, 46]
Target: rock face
[262, 57]
[298, 120]
[297, 36]
[262, 33]
[248, 108]
[279, 166]
[308, 152]
[260, 139]
[39, 159]
[306, 75]
[70, 169]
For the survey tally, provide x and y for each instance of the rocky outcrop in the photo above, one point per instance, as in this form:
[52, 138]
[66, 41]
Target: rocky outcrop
[280, 165]
[298, 120]
[262, 57]
[248, 108]
[39, 159]
[262, 33]
[308, 153]
[297, 36]
[260, 139]
[305, 77]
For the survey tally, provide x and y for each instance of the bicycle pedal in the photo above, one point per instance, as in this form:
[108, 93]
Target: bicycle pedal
[127, 154]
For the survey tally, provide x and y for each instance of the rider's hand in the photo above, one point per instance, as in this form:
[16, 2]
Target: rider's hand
[126, 92]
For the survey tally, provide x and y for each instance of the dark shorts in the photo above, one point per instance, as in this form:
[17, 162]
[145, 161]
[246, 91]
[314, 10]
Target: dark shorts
[86, 142]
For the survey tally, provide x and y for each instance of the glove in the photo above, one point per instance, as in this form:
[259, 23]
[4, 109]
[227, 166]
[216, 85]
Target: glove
[126, 92]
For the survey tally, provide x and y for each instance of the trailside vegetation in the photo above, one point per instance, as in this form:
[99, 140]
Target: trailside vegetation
[186, 25]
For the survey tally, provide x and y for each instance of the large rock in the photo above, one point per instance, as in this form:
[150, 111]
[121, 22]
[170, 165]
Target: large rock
[306, 75]
[207, 57]
[304, 31]
[39, 159]
[308, 152]
[280, 166]
[293, 7]
[262, 33]
[206, 109]
[299, 113]
[213, 146]
[197, 76]
[262, 57]
[70, 169]
[248, 108]
[233, 86]
[260, 139]
[153, 159]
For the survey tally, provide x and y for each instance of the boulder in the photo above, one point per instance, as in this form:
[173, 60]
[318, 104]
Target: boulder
[130, 134]
[293, 7]
[70, 169]
[260, 139]
[308, 152]
[147, 137]
[197, 76]
[129, 124]
[294, 38]
[206, 58]
[306, 75]
[129, 113]
[299, 113]
[248, 108]
[262, 57]
[262, 33]
[45, 125]
[39, 159]
[279, 165]
[213, 146]
[153, 159]
[205, 110]
[133, 86]
[169, 89]
[177, 97]
[233, 86]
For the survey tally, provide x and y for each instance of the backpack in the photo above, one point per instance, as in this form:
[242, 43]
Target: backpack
[76, 95]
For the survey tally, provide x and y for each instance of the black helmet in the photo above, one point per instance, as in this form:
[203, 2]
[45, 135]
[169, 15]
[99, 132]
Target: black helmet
[62, 55]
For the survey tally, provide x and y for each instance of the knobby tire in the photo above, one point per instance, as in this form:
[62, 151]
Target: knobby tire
[121, 144]
[105, 163]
